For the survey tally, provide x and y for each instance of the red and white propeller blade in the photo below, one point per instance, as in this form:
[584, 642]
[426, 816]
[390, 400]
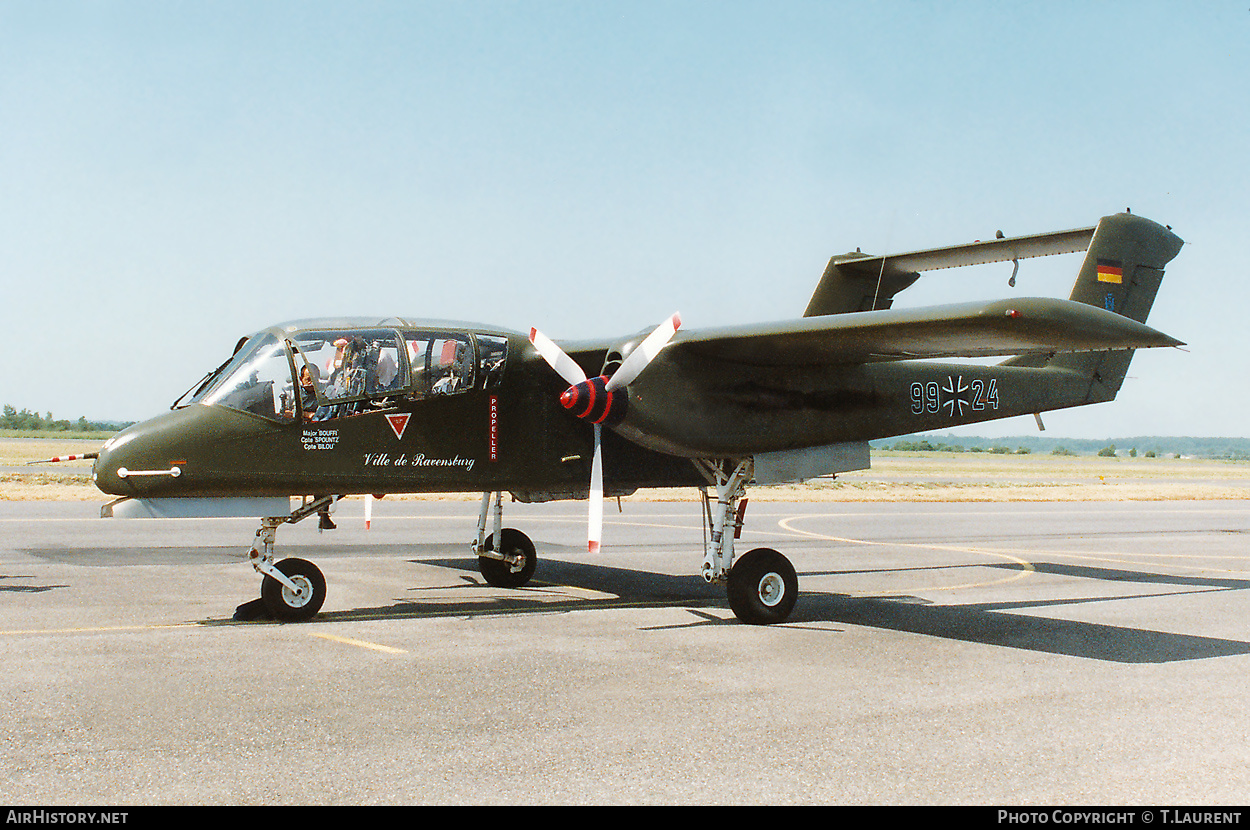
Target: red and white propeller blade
[565, 366]
[641, 356]
[594, 532]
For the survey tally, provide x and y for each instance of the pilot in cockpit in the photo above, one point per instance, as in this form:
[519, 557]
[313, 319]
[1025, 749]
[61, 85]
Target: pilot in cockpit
[308, 390]
[334, 367]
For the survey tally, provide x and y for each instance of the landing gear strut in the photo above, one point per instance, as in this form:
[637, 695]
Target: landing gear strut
[293, 590]
[511, 562]
[762, 586]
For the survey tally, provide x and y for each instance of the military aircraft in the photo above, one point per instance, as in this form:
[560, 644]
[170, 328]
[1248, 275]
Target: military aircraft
[317, 410]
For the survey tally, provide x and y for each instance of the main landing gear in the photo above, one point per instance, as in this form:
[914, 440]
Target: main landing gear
[293, 590]
[511, 562]
[762, 585]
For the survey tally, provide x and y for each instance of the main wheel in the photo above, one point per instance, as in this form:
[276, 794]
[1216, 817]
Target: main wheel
[289, 606]
[505, 575]
[763, 587]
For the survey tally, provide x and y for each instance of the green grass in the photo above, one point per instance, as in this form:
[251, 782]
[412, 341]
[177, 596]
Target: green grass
[58, 434]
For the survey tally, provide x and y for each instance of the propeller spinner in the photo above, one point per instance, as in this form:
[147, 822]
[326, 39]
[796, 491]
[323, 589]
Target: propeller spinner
[594, 400]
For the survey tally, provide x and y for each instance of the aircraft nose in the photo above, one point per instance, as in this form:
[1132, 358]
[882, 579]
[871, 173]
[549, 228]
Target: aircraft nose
[112, 460]
[143, 460]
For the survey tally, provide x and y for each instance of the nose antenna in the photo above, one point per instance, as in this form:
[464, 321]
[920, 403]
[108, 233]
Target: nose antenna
[57, 458]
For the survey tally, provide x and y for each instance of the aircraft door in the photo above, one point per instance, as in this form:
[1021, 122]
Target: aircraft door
[346, 373]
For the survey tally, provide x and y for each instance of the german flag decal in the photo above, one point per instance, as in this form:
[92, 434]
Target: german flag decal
[1110, 270]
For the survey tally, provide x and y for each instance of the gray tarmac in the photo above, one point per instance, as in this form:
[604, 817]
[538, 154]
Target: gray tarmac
[1055, 653]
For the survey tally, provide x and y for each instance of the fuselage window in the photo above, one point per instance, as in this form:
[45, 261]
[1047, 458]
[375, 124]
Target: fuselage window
[442, 364]
[492, 355]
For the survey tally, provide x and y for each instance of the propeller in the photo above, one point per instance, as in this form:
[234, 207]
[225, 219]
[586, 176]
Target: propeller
[594, 400]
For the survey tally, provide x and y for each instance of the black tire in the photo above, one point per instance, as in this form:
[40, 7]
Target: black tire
[501, 574]
[286, 606]
[763, 587]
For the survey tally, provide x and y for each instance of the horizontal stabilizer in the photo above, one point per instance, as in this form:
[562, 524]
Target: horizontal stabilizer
[859, 282]
[981, 253]
[1004, 327]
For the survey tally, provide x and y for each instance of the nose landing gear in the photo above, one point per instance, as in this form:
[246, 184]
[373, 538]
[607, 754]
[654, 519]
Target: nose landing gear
[293, 590]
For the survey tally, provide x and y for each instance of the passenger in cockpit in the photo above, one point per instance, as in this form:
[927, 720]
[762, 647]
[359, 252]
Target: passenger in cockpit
[387, 371]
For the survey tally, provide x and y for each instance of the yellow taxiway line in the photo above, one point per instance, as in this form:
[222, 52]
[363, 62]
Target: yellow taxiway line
[357, 643]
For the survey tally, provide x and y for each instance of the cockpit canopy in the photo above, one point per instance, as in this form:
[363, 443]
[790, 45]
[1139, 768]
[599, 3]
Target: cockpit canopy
[335, 373]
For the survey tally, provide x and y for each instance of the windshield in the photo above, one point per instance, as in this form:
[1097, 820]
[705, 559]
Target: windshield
[257, 380]
[202, 385]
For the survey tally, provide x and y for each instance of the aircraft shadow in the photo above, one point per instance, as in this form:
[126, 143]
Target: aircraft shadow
[1121, 575]
[987, 623]
[623, 588]
[26, 589]
[988, 626]
[992, 624]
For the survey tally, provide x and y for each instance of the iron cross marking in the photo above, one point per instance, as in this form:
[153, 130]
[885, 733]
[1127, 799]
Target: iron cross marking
[956, 395]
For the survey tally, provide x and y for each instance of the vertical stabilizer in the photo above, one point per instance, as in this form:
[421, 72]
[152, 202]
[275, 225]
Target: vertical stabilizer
[855, 282]
[1121, 273]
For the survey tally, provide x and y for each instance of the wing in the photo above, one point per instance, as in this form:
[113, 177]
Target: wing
[1031, 325]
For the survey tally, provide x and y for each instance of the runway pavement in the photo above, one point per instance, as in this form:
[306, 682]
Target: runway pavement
[1029, 653]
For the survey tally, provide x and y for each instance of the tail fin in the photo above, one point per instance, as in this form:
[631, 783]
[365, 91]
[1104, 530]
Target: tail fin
[857, 282]
[1122, 272]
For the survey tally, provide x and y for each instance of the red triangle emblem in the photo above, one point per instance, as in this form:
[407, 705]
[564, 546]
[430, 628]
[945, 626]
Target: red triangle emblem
[398, 423]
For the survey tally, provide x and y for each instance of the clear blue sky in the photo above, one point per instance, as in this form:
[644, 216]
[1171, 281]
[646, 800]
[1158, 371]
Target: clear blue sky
[174, 174]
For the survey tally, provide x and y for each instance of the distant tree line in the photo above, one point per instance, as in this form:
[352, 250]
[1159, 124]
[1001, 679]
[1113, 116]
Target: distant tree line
[929, 446]
[12, 419]
[1138, 446]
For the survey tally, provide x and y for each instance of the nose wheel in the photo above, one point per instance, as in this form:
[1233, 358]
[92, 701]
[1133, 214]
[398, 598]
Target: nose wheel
[293, 590]
[287, 604]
